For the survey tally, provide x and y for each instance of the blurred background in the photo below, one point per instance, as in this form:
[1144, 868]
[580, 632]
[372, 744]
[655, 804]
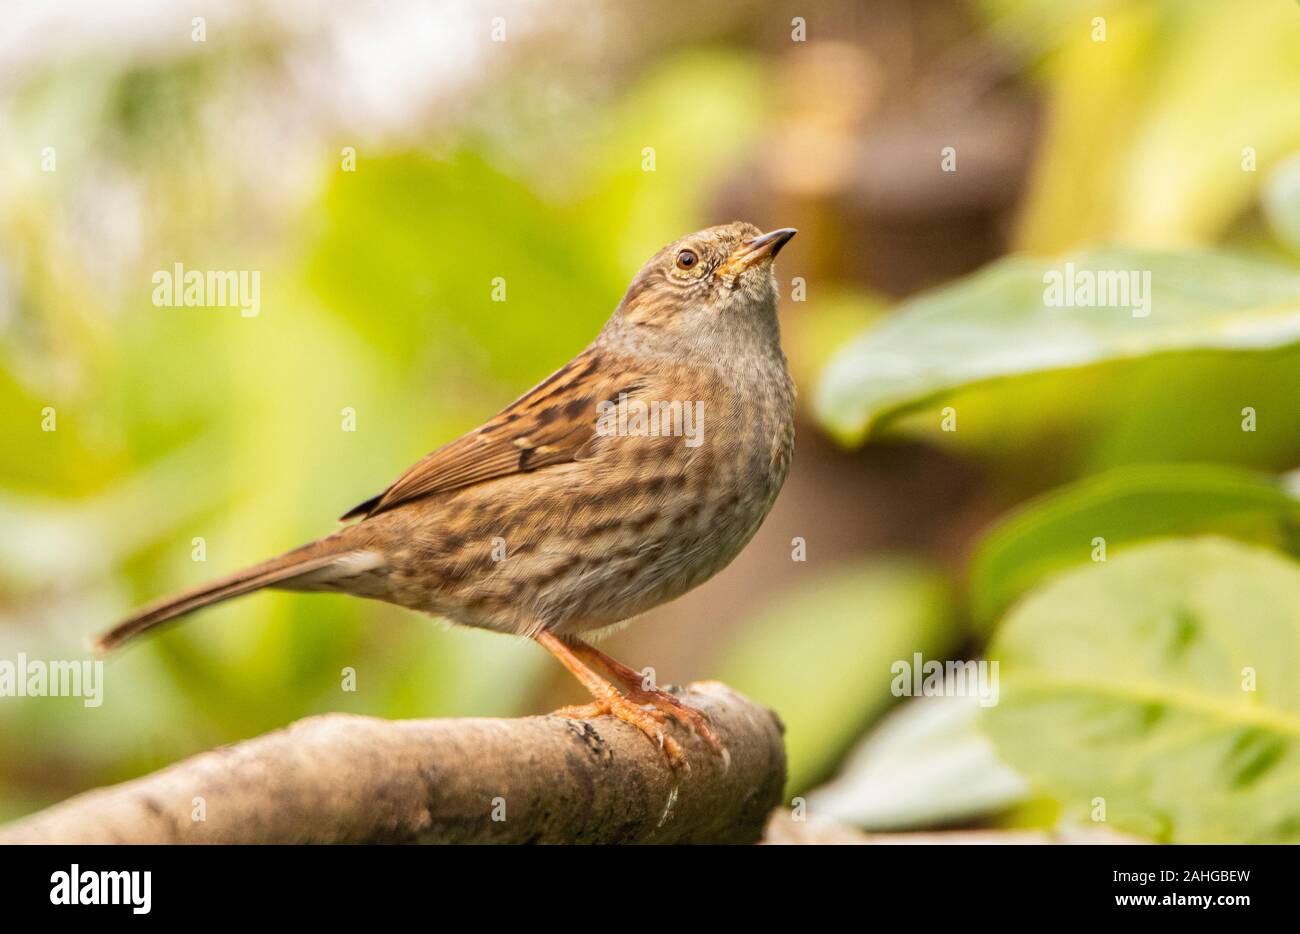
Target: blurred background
[962, 446]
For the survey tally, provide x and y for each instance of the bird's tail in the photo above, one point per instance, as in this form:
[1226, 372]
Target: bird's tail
[281, 571]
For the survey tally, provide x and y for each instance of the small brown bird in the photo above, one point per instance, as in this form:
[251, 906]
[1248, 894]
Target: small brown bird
[632, 474]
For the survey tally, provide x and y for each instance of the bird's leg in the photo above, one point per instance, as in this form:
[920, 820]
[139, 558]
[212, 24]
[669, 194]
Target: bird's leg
[636, 691]
[608, 698]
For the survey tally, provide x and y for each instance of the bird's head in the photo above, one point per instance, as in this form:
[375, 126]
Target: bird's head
[713, 280]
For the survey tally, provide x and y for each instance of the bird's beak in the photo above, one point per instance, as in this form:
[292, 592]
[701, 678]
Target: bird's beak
[754, 250]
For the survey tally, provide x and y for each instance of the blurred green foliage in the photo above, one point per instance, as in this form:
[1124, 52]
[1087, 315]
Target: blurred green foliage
[1151, 118]
[927, 764]
[821, 654]
[1095, 517]
[1134, 663]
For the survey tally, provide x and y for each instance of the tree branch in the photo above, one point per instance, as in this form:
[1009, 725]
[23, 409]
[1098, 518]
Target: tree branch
[340, 778]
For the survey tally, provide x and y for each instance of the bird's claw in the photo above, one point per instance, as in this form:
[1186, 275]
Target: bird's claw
[648, 721]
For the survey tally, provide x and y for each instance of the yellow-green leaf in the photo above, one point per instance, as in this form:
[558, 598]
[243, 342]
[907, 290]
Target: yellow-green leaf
[1159, 691]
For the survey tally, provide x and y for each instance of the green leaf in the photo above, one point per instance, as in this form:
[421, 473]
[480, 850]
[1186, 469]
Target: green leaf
[1123, 506]
[997, 325]
[1192, 407]
[1161, 685]
[821, 655]
[926, 765]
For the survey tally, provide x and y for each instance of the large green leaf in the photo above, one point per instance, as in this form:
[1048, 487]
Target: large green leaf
[821, 655]
[1059, 529]
[997, 325]
[1163, 685]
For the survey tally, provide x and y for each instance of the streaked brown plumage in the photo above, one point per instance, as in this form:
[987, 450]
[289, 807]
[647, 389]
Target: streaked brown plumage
[543, 523]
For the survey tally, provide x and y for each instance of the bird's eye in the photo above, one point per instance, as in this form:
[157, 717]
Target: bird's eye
[686, 259]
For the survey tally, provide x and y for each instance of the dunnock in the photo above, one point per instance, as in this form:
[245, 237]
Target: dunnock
[632, 474]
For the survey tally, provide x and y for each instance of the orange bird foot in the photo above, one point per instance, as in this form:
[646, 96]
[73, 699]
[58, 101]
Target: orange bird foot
[647, 709]
[647, 721]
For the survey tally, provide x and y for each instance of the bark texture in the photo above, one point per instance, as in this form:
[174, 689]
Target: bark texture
[340, 778]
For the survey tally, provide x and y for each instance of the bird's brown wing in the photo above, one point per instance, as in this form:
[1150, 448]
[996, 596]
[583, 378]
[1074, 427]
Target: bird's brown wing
[553, 423]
